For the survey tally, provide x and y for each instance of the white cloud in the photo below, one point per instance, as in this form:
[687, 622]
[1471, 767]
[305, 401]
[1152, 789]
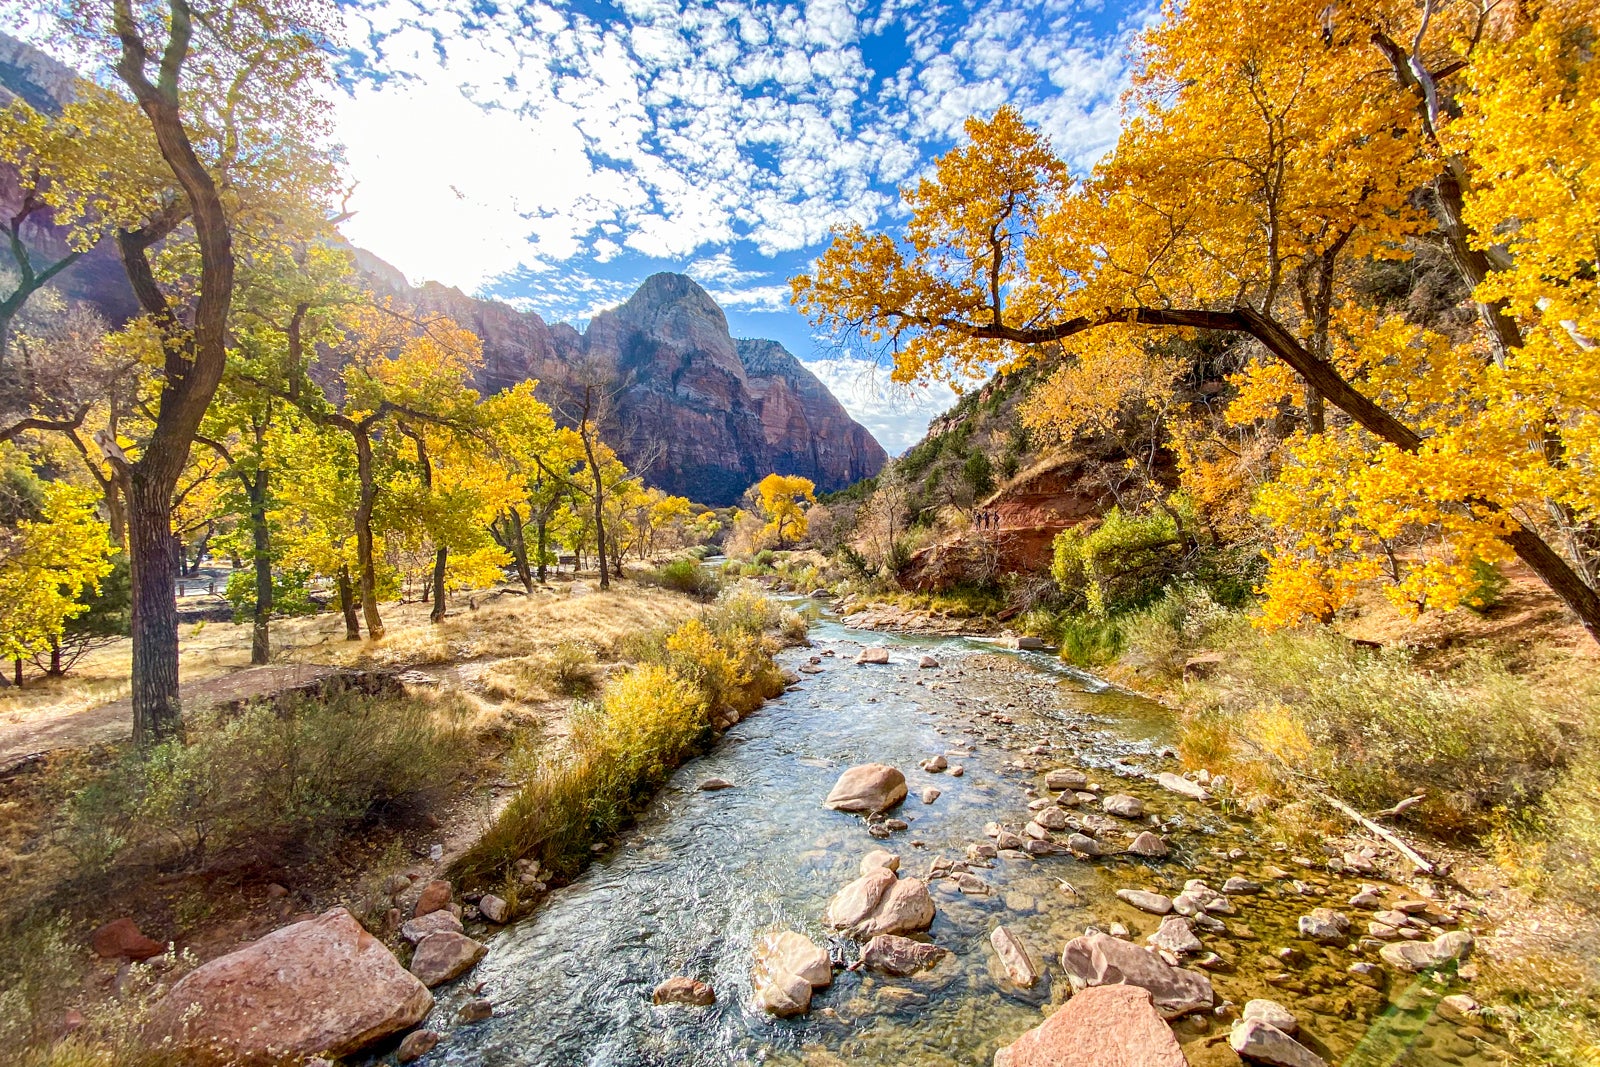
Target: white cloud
[897, 415]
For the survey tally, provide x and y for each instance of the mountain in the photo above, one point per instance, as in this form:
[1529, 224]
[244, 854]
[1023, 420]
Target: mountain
[698, 412]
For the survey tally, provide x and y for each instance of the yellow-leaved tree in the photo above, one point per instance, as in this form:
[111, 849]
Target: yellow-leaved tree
[46, 565]
[1270, 152]
[783, 499]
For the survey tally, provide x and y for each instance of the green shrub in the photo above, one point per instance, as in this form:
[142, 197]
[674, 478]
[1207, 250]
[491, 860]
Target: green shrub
[1185, 620]
[291, 593]
[1488, 587]
[1088, 640]
[684, 576]
[1119, 564]
[764, 559]
[265, 779]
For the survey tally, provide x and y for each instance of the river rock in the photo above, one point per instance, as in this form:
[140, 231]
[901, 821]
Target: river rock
[1008, 840]
[684, 990]
[435, 922]
[494, 908]
[712, 785]
[122, 939]
[1106, 1026]
[879, 903]
[1325, 925]
[1237, 884]
[475, 1011]
[1123, 806]
[1024, 643]
[788, 966]
[929, 795]
[873, 655]
[1097, 959]
[870, 787]
[1262, 1042]
[1149, 845]
[1154, 903]
[443, 956]
[1175, 936]
[416, 1045]
[1272, 1013]
[892, 954]
[1414, 956]
[1051, 818]
[1083, 845]
[928, 663]
[324, 985]
[435, 897]
[1177, 783]
[1014, 957]
[935, 764]
[1065, 778]
[1369, 898]
[879, 858]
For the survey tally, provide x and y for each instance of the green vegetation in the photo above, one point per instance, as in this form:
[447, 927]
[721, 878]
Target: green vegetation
[683, 576]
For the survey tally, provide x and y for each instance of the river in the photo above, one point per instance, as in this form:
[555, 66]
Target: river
[702, 874]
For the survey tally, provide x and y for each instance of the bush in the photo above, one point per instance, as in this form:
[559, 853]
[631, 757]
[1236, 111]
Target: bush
[684, 576]
[291, 594]
[1087, 640]
[569, 669]
[1120, 564]
[1159, 639]
[265, 779]
[1373, 728]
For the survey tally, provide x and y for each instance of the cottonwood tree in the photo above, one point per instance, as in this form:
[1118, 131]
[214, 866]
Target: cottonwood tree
[229, 95]
[47, 563]
[783, 499]
[1005, 258]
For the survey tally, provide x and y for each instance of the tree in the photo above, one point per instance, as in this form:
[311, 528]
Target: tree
[1258, 147]
[47, 564]
[783, 499]
[230, 99]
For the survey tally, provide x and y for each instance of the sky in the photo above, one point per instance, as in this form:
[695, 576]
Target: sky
[554, 153]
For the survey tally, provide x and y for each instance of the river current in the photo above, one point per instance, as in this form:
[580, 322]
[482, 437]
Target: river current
[688, 889]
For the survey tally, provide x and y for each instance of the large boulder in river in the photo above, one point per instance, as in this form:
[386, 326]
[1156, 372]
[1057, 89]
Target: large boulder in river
[1099, 959]
[1414, 956]
[893, 954]
[869, 788]
[880, 903]
[322, 986]
[1107, 1026]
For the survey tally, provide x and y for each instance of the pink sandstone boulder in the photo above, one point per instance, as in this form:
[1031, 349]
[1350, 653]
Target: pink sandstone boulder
[1104, 1026]
[319, 987]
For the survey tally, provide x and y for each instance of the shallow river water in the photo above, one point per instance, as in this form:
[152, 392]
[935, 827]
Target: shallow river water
[689, 888]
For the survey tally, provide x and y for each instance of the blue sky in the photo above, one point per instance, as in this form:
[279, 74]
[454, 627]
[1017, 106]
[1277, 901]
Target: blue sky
[555, 154]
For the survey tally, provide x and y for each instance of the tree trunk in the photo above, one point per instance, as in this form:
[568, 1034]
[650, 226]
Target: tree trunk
[347, 605]
[55, 659]
[261, 545]
[543, 575]
[364, 549]
[153, 562]
[599, 513]
[439, 559]
[1316, 418]
[519, 549]
[18, 670]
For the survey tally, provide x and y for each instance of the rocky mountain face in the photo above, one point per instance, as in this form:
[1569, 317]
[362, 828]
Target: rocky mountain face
[702, 414]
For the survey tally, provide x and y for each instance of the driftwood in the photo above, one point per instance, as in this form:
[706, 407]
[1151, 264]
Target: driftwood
[1394, 842]
[1401, 808]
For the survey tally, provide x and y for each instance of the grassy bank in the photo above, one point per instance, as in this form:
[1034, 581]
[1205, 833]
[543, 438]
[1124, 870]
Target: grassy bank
[713, 668]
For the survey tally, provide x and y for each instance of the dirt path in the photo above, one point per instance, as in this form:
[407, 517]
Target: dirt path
[72, 726]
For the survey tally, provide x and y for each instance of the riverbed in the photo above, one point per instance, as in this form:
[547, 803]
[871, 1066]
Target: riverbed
[701, 875]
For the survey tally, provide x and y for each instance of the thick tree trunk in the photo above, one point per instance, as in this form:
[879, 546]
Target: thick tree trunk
[153, 559]
[440, 558]
[347, 605]
[55, 659]
[261, 545]
[18, 675]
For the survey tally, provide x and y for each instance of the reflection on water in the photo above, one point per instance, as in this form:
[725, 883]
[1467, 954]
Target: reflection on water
[690, 887]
